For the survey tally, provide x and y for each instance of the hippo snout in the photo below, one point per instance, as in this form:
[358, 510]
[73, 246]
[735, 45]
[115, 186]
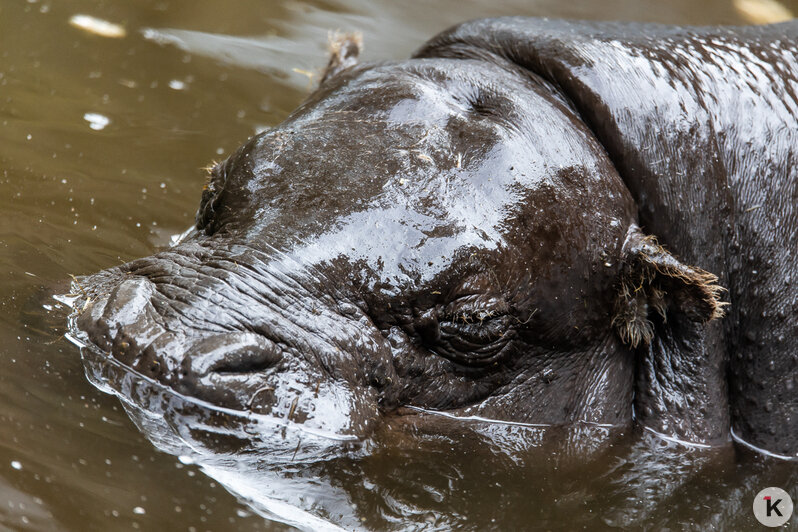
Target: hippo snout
[212, 331]
[126, 324]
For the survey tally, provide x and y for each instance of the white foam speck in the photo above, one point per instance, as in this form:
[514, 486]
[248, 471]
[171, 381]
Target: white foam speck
[98, 26]
[96, 121]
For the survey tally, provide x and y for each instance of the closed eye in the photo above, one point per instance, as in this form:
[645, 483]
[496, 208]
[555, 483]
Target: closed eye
[471, 334]
[473, 331]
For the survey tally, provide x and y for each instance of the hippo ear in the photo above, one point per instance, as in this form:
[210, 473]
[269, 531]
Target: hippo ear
[654, 283]
[344, 51]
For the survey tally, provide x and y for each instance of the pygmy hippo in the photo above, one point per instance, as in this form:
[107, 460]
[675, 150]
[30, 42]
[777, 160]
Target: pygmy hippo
[529, 221]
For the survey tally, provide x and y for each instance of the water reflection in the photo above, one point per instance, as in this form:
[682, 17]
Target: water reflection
[435, 471]
[258, 458]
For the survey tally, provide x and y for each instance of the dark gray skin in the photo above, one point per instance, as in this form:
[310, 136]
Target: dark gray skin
[461, 232]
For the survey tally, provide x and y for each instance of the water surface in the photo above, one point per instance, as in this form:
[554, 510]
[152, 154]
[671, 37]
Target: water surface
[101, 148]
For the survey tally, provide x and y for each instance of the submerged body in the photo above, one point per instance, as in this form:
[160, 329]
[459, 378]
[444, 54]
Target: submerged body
[470, 232]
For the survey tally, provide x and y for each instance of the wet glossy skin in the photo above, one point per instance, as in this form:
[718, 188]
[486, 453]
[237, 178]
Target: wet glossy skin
[702, 125]
[452, 234]
[393, 265]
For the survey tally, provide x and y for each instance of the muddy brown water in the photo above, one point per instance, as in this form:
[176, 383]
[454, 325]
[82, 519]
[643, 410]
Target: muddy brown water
[101, 144]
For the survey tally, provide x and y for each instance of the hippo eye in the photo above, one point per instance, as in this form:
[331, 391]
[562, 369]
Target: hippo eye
[471, 330]
[474, 335]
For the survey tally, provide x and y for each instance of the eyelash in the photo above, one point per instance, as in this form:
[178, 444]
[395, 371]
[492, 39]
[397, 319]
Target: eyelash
[473, 317]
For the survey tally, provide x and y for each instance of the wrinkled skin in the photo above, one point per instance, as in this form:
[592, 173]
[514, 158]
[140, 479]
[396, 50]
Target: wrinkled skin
[469, 231]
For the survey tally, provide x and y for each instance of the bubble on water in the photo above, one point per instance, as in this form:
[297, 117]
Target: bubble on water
[97, 26]
[139, 510]
[177, 85]
[186, 460]
[16, 465]
[96, 120]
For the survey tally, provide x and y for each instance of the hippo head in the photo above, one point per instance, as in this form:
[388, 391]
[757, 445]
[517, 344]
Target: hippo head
[427, 235]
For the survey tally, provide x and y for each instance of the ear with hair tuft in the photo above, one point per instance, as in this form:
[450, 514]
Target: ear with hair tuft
[344, 51]
[654, 281]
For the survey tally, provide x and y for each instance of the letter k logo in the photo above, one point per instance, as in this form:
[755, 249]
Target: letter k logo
[772, 506]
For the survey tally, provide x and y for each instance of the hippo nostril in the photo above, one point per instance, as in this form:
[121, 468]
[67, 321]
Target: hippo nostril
[128, 301]
[104, 319]
[234, 353]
